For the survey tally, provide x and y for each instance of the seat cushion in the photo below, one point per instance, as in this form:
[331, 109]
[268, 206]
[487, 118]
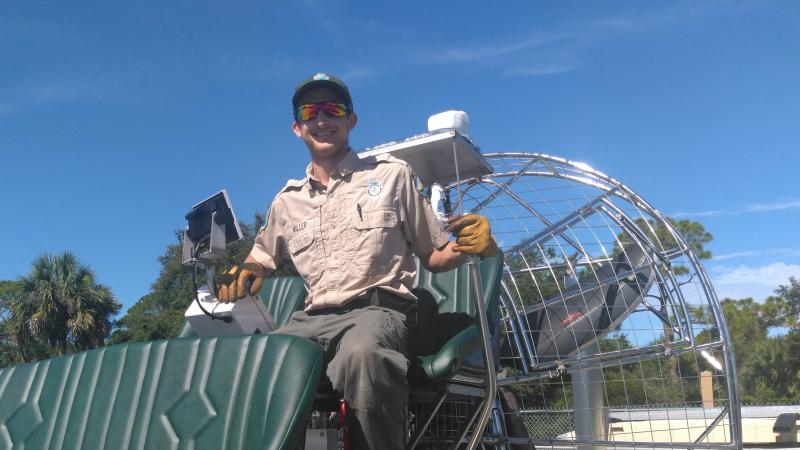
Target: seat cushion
[451, 357]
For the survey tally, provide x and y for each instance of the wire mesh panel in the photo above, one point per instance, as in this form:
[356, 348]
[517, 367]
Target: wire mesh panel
[606, 310]
[446, 426]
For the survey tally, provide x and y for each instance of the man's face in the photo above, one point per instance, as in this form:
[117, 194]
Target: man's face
[325, 136]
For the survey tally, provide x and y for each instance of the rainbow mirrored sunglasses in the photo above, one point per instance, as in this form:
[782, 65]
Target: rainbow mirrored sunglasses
[309, 111]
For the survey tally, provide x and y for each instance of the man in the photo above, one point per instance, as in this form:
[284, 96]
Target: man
[350, 228]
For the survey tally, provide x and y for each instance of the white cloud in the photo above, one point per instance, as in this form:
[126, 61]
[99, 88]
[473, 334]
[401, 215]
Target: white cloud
[795, 204]
[735, 255]
[528, 54]
[671, 14]
[758, 282]
[562, 48]
[498, 50]
[786, 251]
[747, 209]
[545, 68]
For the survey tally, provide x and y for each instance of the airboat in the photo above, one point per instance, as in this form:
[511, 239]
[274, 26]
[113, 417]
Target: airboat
[597, 327]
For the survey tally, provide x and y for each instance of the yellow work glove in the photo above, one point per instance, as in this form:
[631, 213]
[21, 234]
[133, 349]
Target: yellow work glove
[233, 283]
[473, 235]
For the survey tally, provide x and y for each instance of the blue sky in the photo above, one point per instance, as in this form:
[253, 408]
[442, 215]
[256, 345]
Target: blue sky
[116, 117]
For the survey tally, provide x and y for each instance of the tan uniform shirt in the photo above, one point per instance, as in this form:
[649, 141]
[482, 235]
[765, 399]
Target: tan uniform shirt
[357, 234]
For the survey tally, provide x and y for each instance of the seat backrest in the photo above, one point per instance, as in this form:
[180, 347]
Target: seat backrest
[446, 305]
[245, 392]
[282, 295]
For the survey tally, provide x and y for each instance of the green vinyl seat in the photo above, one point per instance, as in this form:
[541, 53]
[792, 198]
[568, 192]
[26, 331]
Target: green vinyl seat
[203, 393]
[446, 343]
[448, 360]
[445, 346]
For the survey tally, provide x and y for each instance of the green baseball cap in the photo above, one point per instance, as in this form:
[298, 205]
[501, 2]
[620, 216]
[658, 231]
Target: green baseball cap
[322, 80]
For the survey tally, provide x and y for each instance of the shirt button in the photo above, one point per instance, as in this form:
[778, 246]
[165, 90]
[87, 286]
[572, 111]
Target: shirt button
[333, 225]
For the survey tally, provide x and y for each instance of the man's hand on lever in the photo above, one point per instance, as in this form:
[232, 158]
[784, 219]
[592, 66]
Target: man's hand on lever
[233, 283]
[473, 235]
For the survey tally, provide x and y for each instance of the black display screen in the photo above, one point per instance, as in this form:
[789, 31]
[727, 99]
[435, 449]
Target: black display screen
[199, 218]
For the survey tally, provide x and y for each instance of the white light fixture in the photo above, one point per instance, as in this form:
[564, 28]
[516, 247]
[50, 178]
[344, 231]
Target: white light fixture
[711, 360]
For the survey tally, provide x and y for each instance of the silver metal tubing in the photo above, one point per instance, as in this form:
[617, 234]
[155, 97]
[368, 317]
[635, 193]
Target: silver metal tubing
[607, 359]
[557, 220]
[627, 224]
[591, 415]
[532, 270]
[568, 444]
[713, 424]
[502, 187]
[500, 430]
[516, 331]
[517, 325]
[421, 428]
[588, 286]
[731, 376]
[465, 428]
[488, 357]
[210, 279]
[630, 225]
[536, 214]
[563, 223]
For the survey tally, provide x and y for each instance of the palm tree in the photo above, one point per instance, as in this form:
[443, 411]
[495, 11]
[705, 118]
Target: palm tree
[59, 303]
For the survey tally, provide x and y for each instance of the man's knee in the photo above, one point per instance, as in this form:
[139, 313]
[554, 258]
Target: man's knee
[365, 362]
[363, 354]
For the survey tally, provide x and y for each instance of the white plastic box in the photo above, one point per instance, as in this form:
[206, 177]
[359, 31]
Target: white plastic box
[248, 316]
[456, 120]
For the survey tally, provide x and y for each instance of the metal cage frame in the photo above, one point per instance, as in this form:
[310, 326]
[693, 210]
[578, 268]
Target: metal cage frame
[506, 197]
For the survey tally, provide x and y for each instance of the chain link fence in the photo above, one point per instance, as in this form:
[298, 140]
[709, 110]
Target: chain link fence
[548, 423]
[551, 423]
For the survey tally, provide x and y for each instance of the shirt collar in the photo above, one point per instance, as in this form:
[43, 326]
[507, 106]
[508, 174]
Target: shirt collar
[309, 173]
[349, 163]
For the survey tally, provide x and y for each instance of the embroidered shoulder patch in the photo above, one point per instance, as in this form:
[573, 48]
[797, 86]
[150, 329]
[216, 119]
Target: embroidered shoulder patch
[374, 187]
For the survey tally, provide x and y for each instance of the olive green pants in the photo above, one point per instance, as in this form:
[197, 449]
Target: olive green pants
[365, 351]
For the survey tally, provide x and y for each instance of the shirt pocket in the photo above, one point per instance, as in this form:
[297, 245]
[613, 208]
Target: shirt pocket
[374, 247]
[300, 242]
[378, 218]
[301, 249]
